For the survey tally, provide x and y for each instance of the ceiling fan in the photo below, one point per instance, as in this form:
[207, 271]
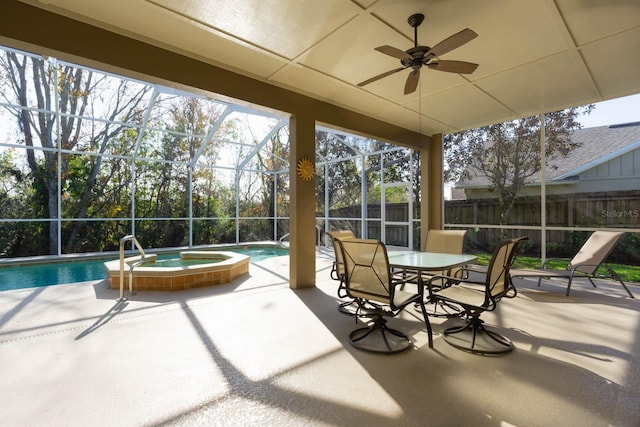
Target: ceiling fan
[418, 56]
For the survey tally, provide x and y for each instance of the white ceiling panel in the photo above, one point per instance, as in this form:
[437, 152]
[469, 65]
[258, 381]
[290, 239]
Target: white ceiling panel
[593, 20]
[287, 28]
[323, 87]
[477, 109]
[534, 55]
[615, 69]
[408, 118]
[527, 89]
[334, 55]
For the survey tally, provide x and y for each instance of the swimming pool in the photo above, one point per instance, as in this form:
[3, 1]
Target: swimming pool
[56, 273]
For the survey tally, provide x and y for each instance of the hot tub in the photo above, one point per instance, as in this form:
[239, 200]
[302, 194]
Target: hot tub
[193, 269]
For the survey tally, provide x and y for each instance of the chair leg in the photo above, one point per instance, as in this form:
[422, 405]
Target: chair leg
[498, 343]
[625, 288]
[377, 337]
[619, 279]
[357, 307]
[427, 322]
[447, 310]
[349, 307]
[569, 284]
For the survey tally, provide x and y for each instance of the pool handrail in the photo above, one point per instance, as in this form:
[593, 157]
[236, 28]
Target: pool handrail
[318, 236]
[128, 237]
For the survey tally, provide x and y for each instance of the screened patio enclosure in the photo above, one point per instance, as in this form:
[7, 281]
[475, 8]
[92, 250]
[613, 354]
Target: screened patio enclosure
[87, 157]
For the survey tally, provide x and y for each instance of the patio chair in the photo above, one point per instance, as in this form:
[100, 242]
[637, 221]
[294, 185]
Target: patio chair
[444, 242]
[368, 279]
[591, 256]
[475, 297]
[337, 271]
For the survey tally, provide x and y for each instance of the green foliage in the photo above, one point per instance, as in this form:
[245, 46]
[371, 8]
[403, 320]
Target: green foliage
[344, 178]
[163, 163]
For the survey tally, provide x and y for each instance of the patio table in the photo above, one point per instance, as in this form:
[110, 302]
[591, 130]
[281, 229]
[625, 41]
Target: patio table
[423, 262]
[427, 262]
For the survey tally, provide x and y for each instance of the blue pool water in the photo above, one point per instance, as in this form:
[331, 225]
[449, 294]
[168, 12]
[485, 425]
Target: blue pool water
[37, 275]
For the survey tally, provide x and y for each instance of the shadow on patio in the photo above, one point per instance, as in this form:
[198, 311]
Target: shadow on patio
[256, 352]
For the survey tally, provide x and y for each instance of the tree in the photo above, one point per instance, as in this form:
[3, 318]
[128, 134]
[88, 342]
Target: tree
[343, 178]
[508, 154]
[54, 101]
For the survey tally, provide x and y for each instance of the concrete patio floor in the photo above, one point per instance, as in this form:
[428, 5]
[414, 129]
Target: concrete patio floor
[254, 352]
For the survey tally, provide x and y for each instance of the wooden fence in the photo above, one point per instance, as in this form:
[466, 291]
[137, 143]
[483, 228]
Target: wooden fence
[619, 209]
[614, 209]
[593, 210]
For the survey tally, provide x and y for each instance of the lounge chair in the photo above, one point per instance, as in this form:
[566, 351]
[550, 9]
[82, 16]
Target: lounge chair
[591, 256]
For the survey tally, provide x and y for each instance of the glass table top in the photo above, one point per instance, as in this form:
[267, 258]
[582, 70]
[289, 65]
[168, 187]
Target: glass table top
[428, 260]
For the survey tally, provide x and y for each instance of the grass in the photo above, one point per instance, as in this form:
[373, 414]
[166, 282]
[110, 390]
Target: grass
[628, 273]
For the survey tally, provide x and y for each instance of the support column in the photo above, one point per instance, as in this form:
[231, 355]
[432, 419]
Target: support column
[432, 188]
[436, 183]
[302, 194]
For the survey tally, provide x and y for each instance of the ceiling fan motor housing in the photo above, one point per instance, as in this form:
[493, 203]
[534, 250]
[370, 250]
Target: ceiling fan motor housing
[418, 57]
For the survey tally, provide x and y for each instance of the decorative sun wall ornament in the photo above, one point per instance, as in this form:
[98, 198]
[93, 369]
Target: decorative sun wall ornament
[306, 169]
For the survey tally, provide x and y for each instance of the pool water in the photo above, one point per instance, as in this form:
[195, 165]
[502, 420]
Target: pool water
[179, 262]
[259, 254]
[38, 275]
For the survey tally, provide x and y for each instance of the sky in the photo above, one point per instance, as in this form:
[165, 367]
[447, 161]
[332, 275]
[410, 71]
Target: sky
[615, 111]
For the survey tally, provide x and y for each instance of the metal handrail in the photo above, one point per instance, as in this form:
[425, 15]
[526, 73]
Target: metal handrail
[318, 236]
[281, 239]
[129, 237]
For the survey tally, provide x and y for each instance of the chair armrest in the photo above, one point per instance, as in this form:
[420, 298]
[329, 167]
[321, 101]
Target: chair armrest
[464, 271]
[544, 264]
[577, 266]
[451, 279]
[403, 277]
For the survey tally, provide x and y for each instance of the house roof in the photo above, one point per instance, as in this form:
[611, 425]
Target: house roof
[533, 56]
[597, 146]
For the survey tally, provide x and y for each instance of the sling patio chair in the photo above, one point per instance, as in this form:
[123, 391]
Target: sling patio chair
[477, 296]
[337, 271]
[368, 280]
[589, 262]
[444, 242]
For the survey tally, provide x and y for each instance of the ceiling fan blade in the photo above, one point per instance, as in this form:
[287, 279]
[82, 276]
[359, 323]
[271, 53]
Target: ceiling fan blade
[380, 76]
[452, 42]
[459, 67]
[392, 51]
[412, 82]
